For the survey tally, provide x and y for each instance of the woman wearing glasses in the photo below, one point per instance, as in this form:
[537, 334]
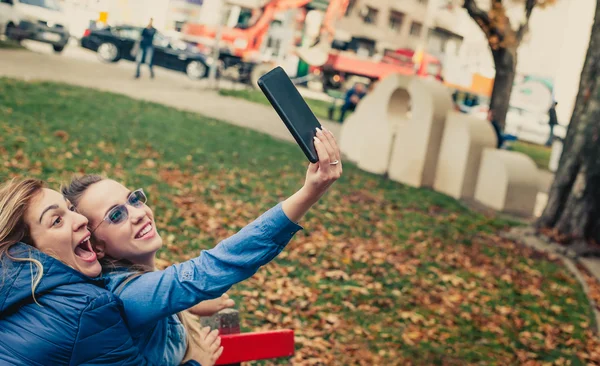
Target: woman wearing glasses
[126, 241]
[52, 311]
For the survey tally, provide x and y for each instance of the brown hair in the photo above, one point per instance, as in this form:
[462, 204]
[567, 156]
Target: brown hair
[73, 192]
[78, 186]
[15, 197]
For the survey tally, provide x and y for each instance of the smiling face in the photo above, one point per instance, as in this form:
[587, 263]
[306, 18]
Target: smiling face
[60, 232]
[135, 238]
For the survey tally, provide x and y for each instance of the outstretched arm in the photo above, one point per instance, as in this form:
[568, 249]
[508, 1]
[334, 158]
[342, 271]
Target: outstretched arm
[153, 296]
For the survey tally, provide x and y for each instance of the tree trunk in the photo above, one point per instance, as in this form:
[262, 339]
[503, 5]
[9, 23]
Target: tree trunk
[505, 61]
[574, 201]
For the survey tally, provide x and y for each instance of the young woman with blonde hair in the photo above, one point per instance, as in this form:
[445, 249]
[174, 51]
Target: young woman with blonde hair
[52, 310]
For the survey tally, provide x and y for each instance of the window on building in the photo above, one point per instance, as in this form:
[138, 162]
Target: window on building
[339, 45]
[396, 19]
[370, 15]
[435, 43]
[245, 19]
[415, 29]
[350, 8]
[362, 46]
[179, 25]
[442, 41]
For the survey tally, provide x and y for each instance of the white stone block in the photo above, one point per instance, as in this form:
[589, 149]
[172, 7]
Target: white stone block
[465, 138]
[507, 182]
[416, 145]
[366, 135]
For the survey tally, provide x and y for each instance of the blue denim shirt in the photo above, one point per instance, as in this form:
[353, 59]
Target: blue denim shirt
[152, 299]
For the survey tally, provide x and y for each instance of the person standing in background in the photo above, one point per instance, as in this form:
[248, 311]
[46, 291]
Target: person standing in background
[146, 49]
[552, 121]
[353, 96]
[497, 129]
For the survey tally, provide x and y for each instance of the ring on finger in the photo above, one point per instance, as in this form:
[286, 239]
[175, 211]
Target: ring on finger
[334, 162]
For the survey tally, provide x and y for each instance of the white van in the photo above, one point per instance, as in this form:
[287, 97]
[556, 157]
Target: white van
[39, 20]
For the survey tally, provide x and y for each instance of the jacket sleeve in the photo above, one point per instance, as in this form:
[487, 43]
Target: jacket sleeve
[103, 337]
[155, 295]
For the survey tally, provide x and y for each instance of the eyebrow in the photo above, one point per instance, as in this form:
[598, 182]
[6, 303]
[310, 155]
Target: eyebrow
[115, 205]
[53, 207]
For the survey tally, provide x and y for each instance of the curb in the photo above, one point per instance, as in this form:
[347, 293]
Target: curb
[526, 236]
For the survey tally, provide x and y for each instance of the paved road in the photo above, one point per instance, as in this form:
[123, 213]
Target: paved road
[80, 67]
[73, 51]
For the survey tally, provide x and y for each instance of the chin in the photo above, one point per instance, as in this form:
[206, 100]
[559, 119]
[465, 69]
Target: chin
[156, 247]
[146, 249]
[157, 242]
[91, 270]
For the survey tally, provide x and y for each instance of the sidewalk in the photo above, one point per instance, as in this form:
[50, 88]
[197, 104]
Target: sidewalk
[167, 88]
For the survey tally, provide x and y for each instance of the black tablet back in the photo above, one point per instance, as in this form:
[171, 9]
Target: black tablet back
[293, 110]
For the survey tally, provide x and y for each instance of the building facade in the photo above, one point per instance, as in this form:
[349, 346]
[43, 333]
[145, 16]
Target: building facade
[372, 26]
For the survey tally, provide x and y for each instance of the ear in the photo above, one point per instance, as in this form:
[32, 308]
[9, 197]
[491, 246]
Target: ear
[98, 246]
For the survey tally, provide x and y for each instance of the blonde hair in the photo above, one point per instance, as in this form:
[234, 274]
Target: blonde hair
[15, 197]
[73, 192]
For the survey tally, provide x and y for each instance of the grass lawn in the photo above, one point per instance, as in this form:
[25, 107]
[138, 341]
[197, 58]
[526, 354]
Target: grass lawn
[383, 274]
[540, 154]
[320, 108]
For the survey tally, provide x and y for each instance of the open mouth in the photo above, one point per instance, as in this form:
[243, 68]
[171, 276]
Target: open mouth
[84, 250]
[145, 232]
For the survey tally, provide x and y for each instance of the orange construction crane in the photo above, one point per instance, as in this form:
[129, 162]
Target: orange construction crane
[244, 45]
[244, 41]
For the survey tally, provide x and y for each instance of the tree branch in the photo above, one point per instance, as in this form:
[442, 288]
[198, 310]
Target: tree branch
[523, 28]
[479, 16]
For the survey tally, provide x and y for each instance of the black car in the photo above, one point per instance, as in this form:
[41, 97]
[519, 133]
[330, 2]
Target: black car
[115, 43]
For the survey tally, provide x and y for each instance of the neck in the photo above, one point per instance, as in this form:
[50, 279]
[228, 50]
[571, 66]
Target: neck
[147, 260]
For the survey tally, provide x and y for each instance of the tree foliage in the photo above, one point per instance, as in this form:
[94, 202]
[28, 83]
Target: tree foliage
[496, 24]
[503, 39]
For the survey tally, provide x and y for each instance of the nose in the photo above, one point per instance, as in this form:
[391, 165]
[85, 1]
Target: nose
[79, 221]
[136, 213]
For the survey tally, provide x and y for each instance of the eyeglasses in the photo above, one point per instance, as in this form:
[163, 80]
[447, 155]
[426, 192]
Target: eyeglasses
[119, 213]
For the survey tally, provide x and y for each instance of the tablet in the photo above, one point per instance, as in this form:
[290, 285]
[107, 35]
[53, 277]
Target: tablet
[292, 109]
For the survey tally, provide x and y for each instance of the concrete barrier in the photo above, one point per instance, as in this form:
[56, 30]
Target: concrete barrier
[507, 181]
[397, 129]
[465, 138]
[367, 134]
[416, 145]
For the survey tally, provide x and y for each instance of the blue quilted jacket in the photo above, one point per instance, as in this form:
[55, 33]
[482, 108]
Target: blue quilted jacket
[77, 322]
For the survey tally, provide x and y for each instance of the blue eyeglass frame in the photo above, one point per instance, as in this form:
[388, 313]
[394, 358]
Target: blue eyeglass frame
[141, 200]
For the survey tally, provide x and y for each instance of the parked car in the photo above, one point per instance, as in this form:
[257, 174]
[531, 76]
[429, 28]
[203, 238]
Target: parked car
[39, 20]
[117, 42]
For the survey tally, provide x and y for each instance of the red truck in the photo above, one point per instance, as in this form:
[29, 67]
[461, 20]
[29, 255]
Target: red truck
[343, 67]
